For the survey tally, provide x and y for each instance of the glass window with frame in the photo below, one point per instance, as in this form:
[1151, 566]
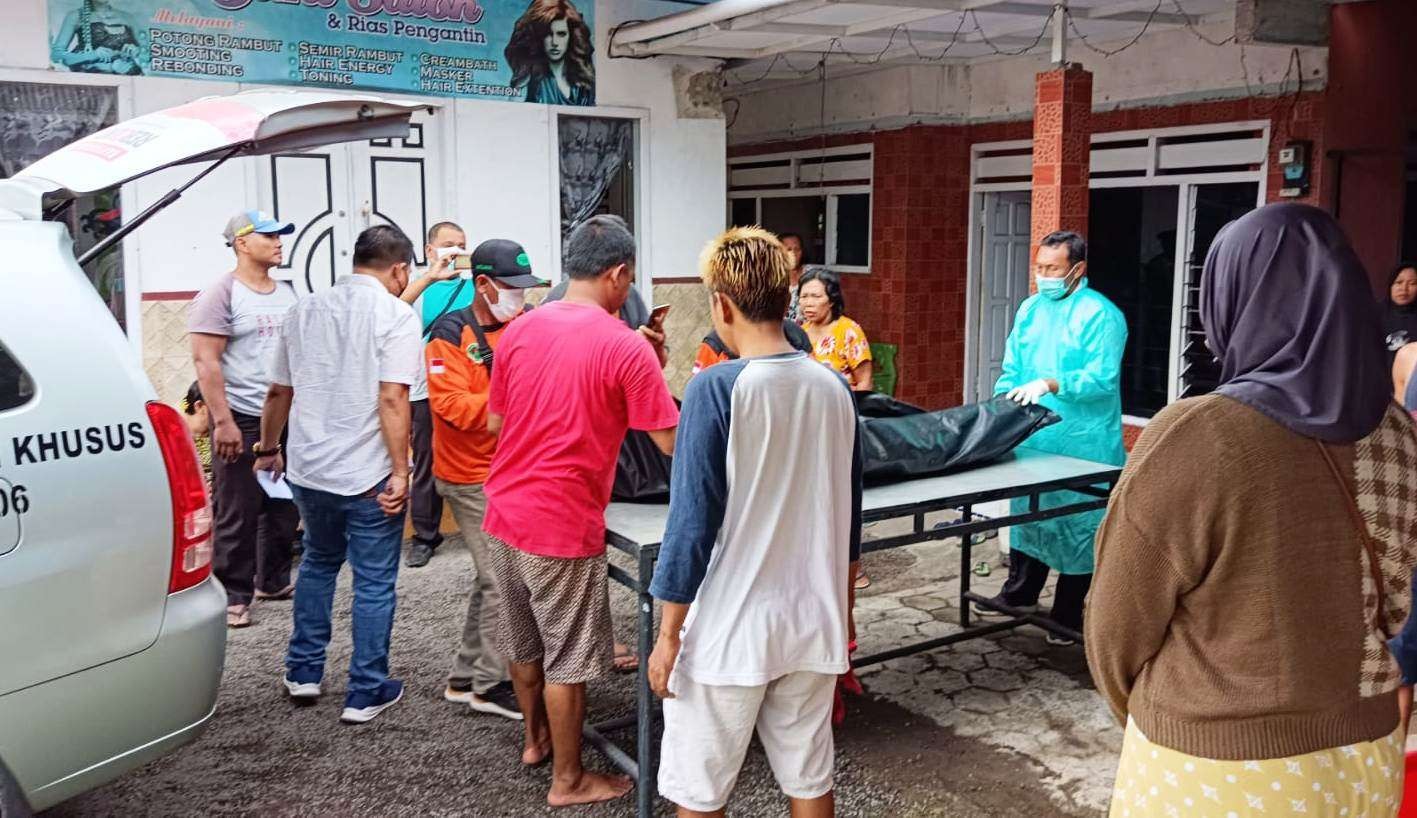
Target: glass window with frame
[822, 195]
[38, 118]
[597, 159]
[835, 227]
[1131, 259]
[16, 386]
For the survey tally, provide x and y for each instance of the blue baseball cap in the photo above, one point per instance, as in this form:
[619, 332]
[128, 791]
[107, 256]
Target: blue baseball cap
[254, 221]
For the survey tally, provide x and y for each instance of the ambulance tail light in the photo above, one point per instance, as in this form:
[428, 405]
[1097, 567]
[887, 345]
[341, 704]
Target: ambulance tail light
[191, 509]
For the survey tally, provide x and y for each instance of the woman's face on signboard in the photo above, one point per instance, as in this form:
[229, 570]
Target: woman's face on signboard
[557, 40]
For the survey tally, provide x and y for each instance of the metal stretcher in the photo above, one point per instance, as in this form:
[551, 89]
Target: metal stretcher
[638, 529]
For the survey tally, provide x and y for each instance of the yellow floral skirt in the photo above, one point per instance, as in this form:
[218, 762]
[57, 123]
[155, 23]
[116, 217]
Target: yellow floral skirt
[1360, 780]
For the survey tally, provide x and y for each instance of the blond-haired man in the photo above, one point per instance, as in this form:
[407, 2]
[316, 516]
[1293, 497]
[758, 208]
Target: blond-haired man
[760, 549]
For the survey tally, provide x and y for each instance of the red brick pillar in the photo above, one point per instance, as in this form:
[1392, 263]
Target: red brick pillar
[1062, 134]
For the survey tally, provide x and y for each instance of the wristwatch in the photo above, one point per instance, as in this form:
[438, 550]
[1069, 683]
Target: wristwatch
[259, 452]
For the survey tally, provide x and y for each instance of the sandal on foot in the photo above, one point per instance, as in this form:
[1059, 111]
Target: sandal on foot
[276, 596]
[238, 616]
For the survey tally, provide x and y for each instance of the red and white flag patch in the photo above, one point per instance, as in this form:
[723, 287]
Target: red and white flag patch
[436, 367]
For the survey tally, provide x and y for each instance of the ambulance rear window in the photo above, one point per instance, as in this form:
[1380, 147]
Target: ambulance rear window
[16, 386]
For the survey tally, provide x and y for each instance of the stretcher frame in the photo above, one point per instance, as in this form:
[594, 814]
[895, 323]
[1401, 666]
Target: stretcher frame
[637, 530]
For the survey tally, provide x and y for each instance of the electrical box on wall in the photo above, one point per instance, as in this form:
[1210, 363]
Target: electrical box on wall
[1294, 168]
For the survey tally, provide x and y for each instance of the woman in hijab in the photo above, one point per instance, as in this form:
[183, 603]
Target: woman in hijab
[1400, 312]
[1258, 550]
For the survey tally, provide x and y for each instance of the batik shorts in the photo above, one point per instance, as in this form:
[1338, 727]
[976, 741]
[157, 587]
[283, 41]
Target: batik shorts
[556, 611]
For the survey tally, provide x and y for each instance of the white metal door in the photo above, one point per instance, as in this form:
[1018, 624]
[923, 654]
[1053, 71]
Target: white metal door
[311, 189]
[399, 181]
[1003, 279]
[334, 193]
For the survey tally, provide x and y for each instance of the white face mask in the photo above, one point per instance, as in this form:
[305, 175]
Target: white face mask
[509, 304]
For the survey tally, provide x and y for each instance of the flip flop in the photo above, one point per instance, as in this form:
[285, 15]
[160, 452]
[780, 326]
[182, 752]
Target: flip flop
[625, 660]
[279, 596]
[862, 582]
[238, 616]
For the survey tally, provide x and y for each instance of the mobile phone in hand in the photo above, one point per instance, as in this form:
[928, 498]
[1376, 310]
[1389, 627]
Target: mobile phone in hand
[656, 317]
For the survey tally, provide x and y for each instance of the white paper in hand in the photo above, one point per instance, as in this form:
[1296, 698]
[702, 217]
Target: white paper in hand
[275, 487]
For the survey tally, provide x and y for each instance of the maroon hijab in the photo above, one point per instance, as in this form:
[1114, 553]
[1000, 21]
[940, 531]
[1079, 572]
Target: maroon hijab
[1288, 312]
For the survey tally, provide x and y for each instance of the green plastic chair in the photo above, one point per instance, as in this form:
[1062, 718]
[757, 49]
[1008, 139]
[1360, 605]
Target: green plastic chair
[883, 367]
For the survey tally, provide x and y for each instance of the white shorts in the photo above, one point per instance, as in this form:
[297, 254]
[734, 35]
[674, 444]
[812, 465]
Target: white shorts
[707, 729]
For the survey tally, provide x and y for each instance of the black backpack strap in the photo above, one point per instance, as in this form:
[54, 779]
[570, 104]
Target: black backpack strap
[457, 291]
[484, 349]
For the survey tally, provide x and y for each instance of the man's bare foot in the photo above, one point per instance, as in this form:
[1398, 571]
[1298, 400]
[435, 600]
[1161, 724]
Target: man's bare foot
[625, 659]
[534, 755]
[588, 789]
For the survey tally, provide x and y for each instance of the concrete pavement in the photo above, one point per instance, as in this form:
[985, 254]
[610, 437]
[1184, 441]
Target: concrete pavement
[1005, 726]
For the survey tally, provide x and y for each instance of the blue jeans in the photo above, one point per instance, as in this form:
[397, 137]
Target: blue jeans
[339, 528]
[1404, 645]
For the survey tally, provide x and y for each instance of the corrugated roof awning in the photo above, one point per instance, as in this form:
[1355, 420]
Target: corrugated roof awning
[746, 31]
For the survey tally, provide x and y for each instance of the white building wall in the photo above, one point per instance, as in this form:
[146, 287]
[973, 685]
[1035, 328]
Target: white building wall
[1167, 67]
[503, 180]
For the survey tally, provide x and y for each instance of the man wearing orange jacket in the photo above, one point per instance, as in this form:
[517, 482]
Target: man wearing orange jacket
[460, 359]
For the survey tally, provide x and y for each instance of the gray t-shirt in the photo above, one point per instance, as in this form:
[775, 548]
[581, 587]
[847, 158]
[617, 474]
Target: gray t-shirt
[251, 323]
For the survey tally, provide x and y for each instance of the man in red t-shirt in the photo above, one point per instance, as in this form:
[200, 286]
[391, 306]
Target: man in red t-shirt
[569, 381]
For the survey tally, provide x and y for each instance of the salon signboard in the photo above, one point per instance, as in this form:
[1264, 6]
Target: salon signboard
[495, 49]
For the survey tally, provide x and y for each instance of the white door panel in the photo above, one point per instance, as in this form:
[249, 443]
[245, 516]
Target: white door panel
[333, 194]
[312, 191]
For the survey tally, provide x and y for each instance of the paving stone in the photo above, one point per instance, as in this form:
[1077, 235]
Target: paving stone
[1024, 643]
[992, 679]
[960, 661]
[1019, 742]
[981, 646]
[914, 665]
[970, 724]
[1008, 660]
[910, 615]
[1047, 738]
[891, 683]
[1046, 677]
[1011, 691]
[878, 602]
[944, 682]
[888, 633]
[978, 700]
[926, 602]
[933, 629]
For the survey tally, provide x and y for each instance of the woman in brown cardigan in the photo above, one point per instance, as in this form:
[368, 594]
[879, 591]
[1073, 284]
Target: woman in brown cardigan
[1258, 551]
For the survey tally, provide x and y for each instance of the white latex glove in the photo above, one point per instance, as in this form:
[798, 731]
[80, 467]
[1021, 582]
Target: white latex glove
[1030, 393]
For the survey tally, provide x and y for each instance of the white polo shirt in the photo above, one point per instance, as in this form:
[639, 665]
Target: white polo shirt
[336, 347]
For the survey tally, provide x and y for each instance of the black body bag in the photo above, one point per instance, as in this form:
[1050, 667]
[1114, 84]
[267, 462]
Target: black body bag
[898, 442]
[641, 471]
[904, 442]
